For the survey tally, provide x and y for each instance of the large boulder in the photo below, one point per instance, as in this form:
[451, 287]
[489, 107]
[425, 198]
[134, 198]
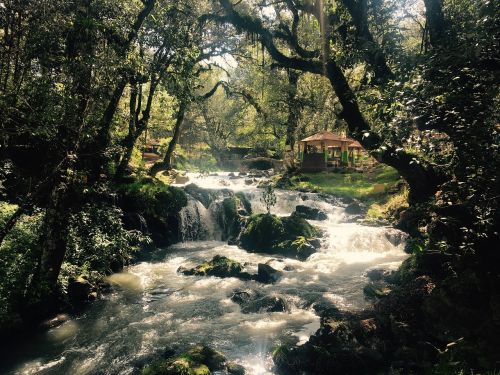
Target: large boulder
[311, 213]
[219, 266]
[287, 236]
[261, 232]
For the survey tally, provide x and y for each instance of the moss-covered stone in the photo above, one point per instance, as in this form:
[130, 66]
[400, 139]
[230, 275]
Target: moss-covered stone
[200, 360]
[229, 218]
[287, 236]
[295, 226]
[377, 289]
[262, 232]
[219, 266]
[244, 202]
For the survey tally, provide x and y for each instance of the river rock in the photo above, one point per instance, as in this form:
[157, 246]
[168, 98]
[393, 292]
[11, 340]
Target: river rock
[270, 234]
[311, 213]
[395, 237]
[251, 301]
[219, 266]
[181, 179]
[79, 290]
[375, 274]
[354, 208]
[55, 321]
[267, 274]
[265, 304]
[205, 196]
[244, 296]
[235, 369]
[199, 360]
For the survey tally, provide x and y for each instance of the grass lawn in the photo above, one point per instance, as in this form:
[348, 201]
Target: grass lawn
[364, 186]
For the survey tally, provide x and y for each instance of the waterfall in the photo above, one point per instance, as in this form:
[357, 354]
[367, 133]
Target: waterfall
[197, 222]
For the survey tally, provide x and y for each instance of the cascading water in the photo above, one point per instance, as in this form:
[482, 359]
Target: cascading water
[197, 222]
[153, 306]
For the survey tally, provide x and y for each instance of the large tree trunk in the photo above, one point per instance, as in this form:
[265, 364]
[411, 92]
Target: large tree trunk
[166, 164]
[435, 22]
[373, 54]
[294, 109]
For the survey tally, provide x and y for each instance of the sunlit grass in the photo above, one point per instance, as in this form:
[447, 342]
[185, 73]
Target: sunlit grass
[355, 185]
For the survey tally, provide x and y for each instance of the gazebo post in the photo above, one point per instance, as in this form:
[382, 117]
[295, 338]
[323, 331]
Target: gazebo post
[345, 152]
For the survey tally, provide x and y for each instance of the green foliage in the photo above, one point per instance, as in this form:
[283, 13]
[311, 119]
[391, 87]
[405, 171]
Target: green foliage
[19, 254]
[98, 242]
[151, 196]
[268, 197]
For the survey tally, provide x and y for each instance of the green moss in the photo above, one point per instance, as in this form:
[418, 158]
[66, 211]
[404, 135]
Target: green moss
[219, 266]
[200, 360]
[407, 271]
[286, 236]
[244, 201]
[150, 196]
[296, 226]
[262, 232]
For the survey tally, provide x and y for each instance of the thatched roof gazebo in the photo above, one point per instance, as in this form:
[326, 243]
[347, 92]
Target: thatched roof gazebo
[324, 149]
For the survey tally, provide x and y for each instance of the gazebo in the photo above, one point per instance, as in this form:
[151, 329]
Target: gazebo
[325, 149]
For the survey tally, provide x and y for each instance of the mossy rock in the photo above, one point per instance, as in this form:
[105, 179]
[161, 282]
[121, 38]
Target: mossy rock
[299, 248]
[287, 236]
[219, 266]
[244, 202]
[262, 232]
[229, 217]
[200, 360]
[296, 226]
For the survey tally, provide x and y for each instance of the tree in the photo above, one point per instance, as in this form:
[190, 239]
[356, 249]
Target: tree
[422, 177]
[268, 197]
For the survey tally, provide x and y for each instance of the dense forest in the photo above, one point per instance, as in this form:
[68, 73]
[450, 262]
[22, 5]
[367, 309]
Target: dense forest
[87, 85]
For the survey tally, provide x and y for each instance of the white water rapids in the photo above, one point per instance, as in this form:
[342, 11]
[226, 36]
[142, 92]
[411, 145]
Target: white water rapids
[154, 307]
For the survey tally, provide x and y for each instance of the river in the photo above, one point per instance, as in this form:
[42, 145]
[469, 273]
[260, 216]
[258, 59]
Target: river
[152, 307]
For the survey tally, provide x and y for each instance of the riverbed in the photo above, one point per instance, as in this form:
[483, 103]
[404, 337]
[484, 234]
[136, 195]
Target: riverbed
[152, 307]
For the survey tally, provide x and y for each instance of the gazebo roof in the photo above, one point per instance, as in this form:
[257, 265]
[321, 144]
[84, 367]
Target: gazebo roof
[330, 139]
[324, 135]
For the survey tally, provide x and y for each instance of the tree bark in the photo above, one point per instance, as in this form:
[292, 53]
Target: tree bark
[435, 22]
[103, 138]
[136, 126]
[166, 164]
[293, 109]
[372, 52]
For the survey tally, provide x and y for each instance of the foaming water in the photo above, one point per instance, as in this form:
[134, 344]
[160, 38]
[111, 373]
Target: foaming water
[153, 307]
